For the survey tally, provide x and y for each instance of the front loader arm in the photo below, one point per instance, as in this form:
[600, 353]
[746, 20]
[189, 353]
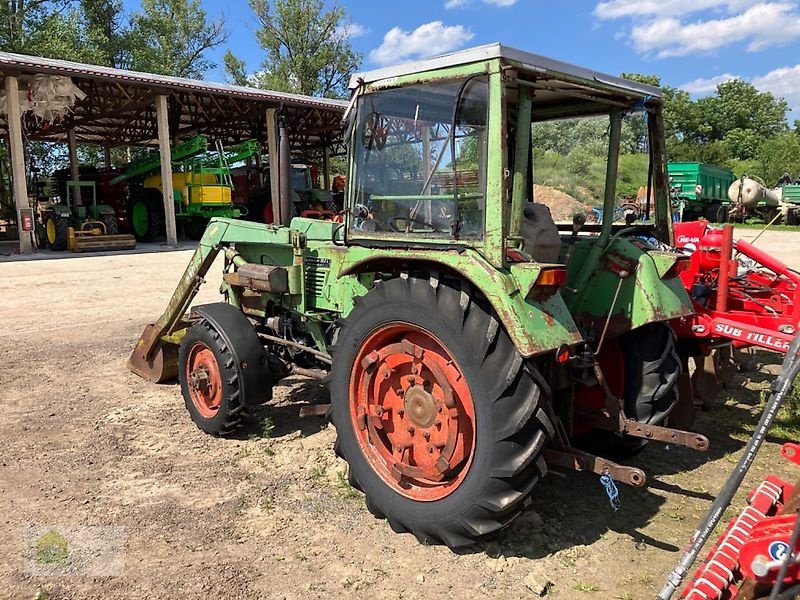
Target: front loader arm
[151, 358]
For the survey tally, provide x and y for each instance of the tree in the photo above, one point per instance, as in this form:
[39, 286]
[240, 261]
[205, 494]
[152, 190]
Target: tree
[48, 28]
[779, 155]
[235, 69]
[307, 47]
[171, 37]
[106, 32]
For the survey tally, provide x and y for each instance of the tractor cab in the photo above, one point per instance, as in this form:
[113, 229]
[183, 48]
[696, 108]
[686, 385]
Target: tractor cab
[452, 153]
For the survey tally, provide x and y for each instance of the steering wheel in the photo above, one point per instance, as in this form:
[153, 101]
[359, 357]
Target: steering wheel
[395, 228]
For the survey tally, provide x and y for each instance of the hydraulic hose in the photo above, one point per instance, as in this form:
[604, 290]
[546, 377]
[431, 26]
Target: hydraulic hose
[780, 390]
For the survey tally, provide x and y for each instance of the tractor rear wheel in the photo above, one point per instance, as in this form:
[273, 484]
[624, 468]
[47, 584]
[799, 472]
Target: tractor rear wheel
[437, 415]
[210, 380]
[147, 215]
[57, 228]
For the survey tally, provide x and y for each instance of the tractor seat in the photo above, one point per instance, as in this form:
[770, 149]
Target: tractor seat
[539, 233]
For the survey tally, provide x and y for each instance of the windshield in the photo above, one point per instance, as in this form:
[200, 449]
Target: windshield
[415, 174]
[570, 157]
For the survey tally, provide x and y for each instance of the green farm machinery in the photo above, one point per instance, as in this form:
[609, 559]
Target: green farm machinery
[77, 224]
[701, 190]
[468, 342]
[201, 184]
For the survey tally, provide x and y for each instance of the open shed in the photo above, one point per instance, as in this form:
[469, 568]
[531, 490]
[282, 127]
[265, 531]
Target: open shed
[128, 108]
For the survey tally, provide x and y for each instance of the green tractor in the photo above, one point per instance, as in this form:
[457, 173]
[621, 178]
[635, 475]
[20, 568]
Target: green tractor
[468, 343]
[201, 182]
[78, 224]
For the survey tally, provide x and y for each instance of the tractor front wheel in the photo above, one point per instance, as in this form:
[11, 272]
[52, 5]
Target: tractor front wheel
[57, 228]
[210, 380]
[147, 215]
[437, 415]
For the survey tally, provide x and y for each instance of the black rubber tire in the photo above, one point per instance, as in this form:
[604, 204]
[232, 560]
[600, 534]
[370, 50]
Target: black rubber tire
[194, 228]
[512, 426]
[232, 410]
[652, 369]
[61, 224]
[717, 213]
[112, 227]
[793, 216]
[156, 225]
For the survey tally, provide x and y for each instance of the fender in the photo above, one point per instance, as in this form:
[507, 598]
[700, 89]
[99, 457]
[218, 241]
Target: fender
[248, 352]
[535, 326]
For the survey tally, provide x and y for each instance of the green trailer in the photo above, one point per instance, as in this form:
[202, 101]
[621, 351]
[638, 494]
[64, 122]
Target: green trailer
[701, 190]
[791, 204]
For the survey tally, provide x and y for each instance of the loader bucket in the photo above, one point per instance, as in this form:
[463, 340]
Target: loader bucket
[152, 359]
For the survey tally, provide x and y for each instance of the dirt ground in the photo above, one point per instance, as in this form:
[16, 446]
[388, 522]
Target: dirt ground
[87, 444]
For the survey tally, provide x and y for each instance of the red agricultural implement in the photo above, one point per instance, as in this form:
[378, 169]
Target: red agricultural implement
[758, 554]
[742, 296]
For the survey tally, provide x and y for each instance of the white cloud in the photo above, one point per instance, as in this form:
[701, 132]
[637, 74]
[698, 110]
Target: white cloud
[450, 4]
[352, 30]
[615, 9]
[426, 40]
[783, 83]
[708, 85]
[762, 25]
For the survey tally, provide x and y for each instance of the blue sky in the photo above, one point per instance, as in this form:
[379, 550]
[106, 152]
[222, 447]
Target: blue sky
[692, 44]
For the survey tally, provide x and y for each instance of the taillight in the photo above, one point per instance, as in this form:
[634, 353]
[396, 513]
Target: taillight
[551, 277]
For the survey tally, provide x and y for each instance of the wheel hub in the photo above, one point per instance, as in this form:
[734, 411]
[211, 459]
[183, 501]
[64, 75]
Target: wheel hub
[413, 413]
[204, 380]
[420, 406]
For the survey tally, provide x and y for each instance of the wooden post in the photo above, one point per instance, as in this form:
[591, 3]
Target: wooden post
[17, 160]
[274, 164]
[167, 191]
[74, 171]
[286, 175]
[107, 156]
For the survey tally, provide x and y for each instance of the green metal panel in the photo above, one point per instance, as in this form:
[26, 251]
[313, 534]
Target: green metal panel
[715, 181]
[644, 296]
[791, 194]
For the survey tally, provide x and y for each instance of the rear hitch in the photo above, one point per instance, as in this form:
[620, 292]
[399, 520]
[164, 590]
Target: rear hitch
[570, 458]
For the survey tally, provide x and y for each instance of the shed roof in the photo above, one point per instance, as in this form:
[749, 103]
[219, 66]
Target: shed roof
[119, 108]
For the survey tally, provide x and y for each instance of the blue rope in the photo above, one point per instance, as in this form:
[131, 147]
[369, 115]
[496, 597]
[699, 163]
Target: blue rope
[611, 491]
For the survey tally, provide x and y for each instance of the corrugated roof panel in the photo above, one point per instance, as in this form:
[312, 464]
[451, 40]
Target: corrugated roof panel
[23, 63]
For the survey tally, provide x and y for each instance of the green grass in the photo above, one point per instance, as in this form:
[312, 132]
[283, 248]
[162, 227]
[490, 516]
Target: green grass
[587, 587]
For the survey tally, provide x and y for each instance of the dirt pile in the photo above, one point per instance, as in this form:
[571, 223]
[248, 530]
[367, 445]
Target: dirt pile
[561, 205]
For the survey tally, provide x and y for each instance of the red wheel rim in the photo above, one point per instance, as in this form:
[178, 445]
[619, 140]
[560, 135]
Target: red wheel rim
[204, 380]
[412, 412]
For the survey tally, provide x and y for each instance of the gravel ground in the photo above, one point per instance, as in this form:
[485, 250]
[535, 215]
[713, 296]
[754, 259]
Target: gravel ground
[91, 450]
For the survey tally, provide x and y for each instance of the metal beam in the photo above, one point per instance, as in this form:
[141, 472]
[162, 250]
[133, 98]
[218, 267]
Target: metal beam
[17, 160]
[167, 191]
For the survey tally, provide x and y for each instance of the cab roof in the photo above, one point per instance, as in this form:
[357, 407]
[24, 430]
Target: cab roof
[526, 61]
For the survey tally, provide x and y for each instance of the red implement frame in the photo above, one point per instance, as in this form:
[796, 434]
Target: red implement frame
[745, 561]
[752, 302]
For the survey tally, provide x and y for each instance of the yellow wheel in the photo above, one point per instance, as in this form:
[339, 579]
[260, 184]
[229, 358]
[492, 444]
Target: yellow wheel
[57, 232]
